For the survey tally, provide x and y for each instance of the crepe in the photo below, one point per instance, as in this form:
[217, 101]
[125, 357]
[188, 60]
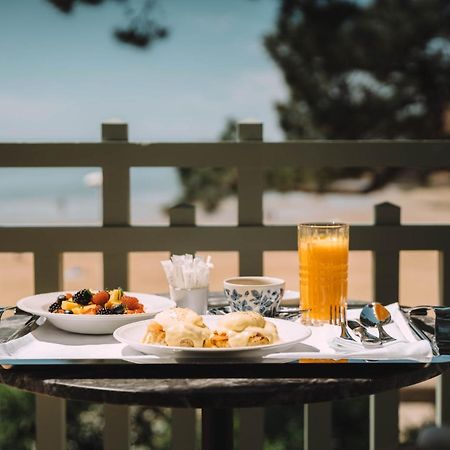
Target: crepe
[178, 327]
[243, 329]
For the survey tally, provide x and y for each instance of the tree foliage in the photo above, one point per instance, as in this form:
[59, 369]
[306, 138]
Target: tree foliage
[141, 29]
[18, 423]
[363, 72]
[210, 184]
[355, 70]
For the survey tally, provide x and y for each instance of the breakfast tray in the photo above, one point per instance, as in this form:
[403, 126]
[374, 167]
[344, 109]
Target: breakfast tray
[45, 344]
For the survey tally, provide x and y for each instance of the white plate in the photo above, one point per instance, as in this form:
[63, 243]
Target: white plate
[290, 333]
[92, 324]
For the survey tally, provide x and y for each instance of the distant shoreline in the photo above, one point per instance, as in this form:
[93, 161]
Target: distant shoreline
[148, 206]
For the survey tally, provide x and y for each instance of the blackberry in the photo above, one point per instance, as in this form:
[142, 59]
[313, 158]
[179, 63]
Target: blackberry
[83, 297]
[104, 311]
[54, 306]
[60, 299]
[119, 309]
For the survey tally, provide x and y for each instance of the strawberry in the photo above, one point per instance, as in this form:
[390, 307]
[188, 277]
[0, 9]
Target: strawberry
[100, 298]
[130, 302]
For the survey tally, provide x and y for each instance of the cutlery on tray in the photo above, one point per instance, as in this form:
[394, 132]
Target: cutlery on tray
[6, 308]
[423, 322]
[30, 325]
[338, 316]
[376, 315]
[367, 338]
[18, 324]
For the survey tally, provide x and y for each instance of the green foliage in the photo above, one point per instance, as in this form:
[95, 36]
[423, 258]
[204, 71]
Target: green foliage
[351, 414]
[283, 428]
[208, 185]
[354, 70]
[17, 419]
[150, 427]
[363, 71]
[84, 426]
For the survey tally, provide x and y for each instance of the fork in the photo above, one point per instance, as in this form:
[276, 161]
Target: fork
[5, 308]
[338, 316]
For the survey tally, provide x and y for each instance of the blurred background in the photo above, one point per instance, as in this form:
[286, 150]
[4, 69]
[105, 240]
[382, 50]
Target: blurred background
[188, 70]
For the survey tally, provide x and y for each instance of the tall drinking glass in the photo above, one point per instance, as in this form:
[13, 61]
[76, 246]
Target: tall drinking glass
[323, 262]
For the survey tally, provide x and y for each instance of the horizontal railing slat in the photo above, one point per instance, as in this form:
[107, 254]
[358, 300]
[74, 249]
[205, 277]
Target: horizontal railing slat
[425, 154]
[219, 238]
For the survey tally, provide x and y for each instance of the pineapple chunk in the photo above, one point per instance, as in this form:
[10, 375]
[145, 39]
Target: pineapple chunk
[68, 305]
[88, 309]
[84, 309]
[114, 298]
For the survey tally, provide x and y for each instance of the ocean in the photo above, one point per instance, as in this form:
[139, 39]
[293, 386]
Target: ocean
[62, 196]
[72, 196]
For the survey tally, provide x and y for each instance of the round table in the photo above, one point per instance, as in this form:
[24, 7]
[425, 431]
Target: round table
[215, 387]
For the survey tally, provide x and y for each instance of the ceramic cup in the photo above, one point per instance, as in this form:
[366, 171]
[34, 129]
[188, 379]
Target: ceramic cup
[260, 294]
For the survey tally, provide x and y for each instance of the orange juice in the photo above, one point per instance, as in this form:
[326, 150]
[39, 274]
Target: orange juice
[323, 262]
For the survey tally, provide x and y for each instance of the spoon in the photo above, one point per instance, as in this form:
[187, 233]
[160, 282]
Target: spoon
[367, 338]
[376, 315]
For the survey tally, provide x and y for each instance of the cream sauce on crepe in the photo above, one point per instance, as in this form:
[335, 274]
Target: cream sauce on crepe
[168, 316]
[179, 332]
[240, 327]
[182, 325]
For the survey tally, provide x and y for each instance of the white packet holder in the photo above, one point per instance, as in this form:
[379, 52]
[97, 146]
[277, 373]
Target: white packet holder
[195, 299]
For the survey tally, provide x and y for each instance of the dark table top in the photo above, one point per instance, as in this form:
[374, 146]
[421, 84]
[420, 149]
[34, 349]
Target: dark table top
[212, 385]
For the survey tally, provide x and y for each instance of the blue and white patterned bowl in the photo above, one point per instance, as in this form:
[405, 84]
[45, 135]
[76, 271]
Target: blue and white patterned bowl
[260, 294]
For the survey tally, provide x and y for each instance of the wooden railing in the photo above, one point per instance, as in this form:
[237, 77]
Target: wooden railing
[116, 238]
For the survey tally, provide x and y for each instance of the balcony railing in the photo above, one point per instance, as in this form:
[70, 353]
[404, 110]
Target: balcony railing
[116, 238]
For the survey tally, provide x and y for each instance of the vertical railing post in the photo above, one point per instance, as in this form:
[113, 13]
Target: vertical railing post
[384, 425]
[250, 212]
[116, 204]
[387, 261]
[443, 384]
[50, 411]
[250, 198]
[116, 212]
[183, 419]
[317, 426]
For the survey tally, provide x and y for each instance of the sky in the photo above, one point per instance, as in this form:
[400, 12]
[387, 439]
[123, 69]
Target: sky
[62, 75]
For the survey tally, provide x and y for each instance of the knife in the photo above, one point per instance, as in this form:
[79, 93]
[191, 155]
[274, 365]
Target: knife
[418, 331]
[30, 325]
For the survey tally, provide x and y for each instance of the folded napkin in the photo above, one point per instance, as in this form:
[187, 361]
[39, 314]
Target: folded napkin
[325, 343]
